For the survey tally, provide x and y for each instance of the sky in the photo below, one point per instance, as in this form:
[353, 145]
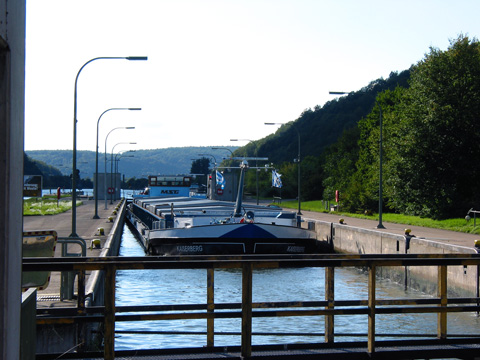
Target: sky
[217, 69]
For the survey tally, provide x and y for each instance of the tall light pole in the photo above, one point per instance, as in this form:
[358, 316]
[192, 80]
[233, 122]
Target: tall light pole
[256, 164]
[111, 170]
[380, 175]
[298, 161]
[96, 159]
[380, 178]
[105, 173]
[117, 160]
[74, 152]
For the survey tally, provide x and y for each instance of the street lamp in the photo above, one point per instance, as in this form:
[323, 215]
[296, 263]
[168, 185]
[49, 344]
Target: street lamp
[96, 159]
[223, 148]
[117, 160]
[111, 170]
[214, 159]
[380, 177]
[105, 173]
[298, 161]
[256, 164]
[74, 152]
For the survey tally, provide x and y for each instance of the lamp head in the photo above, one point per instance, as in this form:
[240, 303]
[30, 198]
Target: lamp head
[137, 58]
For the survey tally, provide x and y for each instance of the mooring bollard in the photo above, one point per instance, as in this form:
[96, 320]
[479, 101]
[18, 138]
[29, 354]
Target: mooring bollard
[95, 244]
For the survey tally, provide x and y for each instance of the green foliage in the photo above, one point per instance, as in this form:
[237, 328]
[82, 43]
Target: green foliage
[328, 134]
[453, 224]
[201, 168]
[135, 184]
[431, 140]
[311, 178]
[47, 206]
[435, 167]
[339, 167]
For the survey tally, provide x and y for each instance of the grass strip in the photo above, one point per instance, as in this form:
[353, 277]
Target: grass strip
[456, 224]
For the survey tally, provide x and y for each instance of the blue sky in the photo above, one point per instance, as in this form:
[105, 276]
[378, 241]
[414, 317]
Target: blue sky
[216, 70]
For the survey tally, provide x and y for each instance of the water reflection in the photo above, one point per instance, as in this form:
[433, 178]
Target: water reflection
[166, 287]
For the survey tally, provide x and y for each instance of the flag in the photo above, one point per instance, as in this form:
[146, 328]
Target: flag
[220, 179]
[276, 181]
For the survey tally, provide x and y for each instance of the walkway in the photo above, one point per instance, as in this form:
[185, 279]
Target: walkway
[444, 236]
[86, 228]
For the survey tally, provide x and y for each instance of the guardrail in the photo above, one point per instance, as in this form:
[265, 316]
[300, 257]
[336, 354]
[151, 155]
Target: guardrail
[247, 310]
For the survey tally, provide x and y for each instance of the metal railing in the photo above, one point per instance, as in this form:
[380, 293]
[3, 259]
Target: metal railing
[247, 310]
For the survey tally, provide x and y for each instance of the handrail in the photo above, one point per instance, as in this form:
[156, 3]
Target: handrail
[248, 310]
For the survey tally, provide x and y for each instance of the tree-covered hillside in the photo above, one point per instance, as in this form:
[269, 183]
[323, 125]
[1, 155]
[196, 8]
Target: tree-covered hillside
[431, 140]
[143, 163]
[322, 126]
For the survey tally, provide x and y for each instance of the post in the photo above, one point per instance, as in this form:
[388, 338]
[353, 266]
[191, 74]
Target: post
[330, 298]
[298, 162]
[210, 307]
[371, 309]
[442, 294]
[96, 159]
[111, 177]
[246, 346]
[105, 177]
[109, 337]
[380, 180]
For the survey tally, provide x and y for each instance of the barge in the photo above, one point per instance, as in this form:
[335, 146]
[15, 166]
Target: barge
[182, 225]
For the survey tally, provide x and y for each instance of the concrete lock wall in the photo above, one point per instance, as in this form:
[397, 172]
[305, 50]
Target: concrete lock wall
[61, 338]
[462, 281]
[95, 286]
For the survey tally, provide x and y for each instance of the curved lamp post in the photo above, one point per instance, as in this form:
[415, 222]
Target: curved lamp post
[74, 152]
[111, 169]
[297, 160]
[380, 175]
[118, 156]
[96, 159]
[215, 160]
[105, 173]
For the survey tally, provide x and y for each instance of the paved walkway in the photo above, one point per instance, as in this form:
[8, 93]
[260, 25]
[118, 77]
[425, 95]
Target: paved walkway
[444, 236]
[86, 228]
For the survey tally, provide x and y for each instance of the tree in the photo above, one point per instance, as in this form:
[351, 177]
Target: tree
[339, 168]
[200, 167]
[436, 171]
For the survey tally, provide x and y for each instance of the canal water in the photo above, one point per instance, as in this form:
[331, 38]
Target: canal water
[174, 287]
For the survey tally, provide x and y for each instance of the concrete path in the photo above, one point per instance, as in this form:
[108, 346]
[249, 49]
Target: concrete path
[444, 236]
[86, 228]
